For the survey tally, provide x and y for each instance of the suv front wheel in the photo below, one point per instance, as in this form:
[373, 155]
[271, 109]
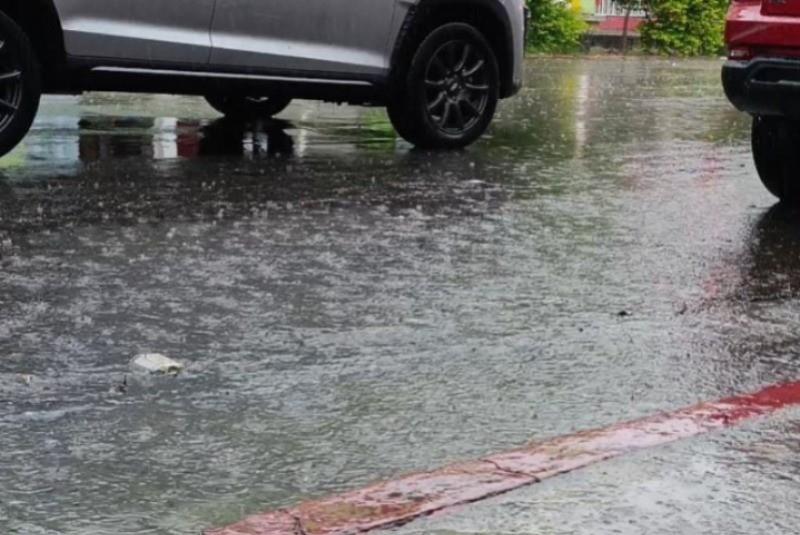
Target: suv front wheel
[451, 91]
[20, 84]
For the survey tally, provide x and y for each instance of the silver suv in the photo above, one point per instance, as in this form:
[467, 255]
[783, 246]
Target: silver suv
[439, 66]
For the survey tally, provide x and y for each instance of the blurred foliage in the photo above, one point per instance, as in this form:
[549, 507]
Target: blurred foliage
[685, 27]
[557, 26]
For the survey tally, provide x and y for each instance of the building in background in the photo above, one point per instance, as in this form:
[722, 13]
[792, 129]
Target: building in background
[607, 23]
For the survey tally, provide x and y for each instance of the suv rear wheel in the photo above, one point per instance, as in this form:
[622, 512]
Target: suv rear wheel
[776, 142]
[239, 107]
[451, 91]
[20, 84]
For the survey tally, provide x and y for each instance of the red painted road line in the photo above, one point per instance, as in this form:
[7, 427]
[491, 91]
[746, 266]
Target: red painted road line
[397, 502]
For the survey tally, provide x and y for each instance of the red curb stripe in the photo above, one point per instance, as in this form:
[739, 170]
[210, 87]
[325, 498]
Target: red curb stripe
[402, 500]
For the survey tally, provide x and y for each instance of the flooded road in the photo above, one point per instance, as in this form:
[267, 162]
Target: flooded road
[349, 309]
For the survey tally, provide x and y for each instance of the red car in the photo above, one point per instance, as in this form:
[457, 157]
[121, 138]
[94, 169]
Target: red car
[762, 77]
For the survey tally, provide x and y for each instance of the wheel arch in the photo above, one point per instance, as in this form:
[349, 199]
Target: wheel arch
[488, 16]
[40, 21]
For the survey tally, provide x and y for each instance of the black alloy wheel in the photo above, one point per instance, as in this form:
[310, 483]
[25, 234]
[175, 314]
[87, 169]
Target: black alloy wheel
[457, 87]
[451, 91]
[20, 84]
[10, 86]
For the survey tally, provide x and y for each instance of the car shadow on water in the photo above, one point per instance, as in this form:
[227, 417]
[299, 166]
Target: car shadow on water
[773, 270]
[131, 170]
[142, 137]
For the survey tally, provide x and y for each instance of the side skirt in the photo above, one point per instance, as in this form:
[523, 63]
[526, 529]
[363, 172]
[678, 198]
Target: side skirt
[136, 79]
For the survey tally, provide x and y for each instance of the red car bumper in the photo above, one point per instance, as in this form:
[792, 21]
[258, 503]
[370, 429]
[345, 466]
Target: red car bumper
[748, 26]
[765, 77]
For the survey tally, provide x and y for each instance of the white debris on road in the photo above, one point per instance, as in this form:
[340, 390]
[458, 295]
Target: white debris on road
[156, 363]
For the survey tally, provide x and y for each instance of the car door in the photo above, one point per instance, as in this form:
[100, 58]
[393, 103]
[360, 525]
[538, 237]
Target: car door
[152, 31]
[318, 36]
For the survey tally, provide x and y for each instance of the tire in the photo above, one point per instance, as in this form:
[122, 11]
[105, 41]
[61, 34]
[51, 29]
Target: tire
[775, 142]
[400, 122]
[239, 107]
[20, 84]
[451, 90]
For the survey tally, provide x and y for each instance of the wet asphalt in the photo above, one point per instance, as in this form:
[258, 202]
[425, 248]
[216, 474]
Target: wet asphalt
[349, 309]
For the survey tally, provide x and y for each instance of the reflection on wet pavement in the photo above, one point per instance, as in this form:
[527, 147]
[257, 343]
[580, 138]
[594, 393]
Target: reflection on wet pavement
[350, 309]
